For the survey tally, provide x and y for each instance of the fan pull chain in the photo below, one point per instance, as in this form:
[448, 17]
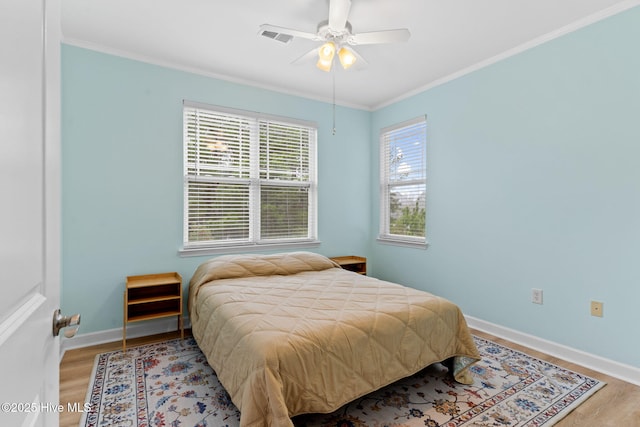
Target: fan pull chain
[333, 75]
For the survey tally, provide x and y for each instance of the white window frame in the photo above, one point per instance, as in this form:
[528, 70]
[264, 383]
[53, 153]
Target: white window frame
[387, 183]
[254, 182]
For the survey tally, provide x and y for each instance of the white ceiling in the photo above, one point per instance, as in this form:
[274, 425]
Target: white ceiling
[220, 38]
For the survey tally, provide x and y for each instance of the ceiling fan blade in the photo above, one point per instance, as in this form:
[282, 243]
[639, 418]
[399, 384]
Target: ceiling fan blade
[283, 34]
[361, 62]
[376, 37]
[311, 55]
[338, 14]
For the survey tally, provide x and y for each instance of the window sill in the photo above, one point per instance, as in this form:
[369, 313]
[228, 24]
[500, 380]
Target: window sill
[406, 243]
[246, 247]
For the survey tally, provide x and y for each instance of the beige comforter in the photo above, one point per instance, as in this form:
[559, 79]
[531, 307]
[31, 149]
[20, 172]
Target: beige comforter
[293, 333]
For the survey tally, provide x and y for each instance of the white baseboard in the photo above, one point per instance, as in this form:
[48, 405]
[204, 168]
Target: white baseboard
[134, 330]
[609, 367]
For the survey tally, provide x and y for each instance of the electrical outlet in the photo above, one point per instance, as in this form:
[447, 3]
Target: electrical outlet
[536, 296]
[596, 308]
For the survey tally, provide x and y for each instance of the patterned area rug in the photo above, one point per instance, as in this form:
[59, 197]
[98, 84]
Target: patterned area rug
[171, 384]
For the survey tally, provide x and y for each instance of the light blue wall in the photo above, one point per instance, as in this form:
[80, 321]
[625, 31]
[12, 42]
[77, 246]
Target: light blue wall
[122, 174]
[534, 182]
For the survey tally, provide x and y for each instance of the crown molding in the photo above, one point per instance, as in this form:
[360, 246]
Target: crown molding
[83, 44]
[589, 20]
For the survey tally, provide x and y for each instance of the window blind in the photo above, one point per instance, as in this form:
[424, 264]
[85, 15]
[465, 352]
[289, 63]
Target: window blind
[249, 178]
[403, 174]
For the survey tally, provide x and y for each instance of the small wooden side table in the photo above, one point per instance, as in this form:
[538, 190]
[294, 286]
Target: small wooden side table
[353, 263]
[152, 296]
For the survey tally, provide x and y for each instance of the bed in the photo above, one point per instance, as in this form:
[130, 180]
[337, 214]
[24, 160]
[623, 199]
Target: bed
[289, 334]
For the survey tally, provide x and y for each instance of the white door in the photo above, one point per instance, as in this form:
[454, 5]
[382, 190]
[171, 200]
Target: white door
[29, 211]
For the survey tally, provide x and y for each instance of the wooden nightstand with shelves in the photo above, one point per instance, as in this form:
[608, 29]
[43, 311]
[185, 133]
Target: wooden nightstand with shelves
[353, 263]
[152, 296]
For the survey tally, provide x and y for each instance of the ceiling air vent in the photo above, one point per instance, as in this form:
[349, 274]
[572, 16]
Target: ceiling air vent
[284, 38]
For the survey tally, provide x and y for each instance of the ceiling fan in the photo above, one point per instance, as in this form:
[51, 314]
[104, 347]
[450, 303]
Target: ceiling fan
[337, 35]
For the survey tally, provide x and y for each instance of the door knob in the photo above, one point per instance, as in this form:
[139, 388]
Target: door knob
[60, 321]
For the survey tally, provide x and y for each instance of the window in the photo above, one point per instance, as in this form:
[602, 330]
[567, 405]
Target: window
[403, 178]
[249, 179]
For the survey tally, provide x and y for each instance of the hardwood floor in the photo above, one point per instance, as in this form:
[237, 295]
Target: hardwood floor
[616, 405]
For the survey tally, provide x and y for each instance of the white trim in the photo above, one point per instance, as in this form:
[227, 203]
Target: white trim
[186, 103]
[567, 29]
[407, 123]
[599, 16]
[201, 167]
[416, 128]
[628, 373]
[609, 367]
[134, 330]
[202, 72]
[403, 242]
[196, 250]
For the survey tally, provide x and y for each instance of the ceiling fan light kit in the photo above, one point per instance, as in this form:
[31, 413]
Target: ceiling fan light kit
[336, 33]
[347, 58]
[325, 56]
[326, 53]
